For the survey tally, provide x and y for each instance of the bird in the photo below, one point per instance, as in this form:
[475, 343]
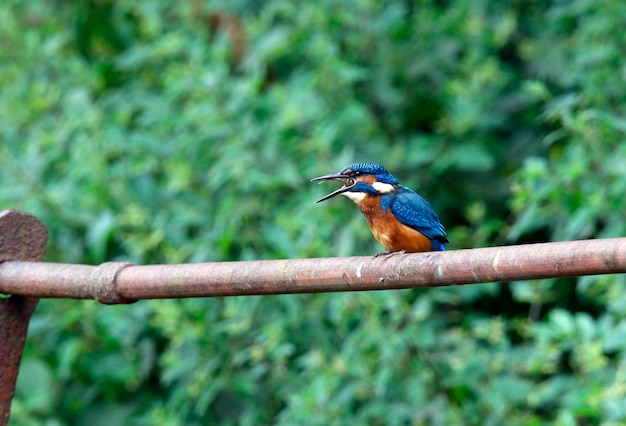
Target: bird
[400, 219]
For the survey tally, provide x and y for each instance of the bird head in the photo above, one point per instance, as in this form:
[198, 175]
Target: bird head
[360, 180]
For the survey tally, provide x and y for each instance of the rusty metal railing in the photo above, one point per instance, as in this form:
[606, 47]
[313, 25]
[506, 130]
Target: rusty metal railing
[26, 278]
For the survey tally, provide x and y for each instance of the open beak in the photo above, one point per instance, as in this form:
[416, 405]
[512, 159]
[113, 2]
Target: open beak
[347, 182]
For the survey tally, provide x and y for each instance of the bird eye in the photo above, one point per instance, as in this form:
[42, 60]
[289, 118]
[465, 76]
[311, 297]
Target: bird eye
[357, 173]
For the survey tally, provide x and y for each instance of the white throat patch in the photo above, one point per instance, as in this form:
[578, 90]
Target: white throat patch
[383, 188]
[357, 197]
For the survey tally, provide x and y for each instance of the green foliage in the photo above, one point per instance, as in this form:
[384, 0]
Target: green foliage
[135, 134]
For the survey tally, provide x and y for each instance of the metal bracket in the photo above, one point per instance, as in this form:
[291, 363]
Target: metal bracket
[104, 283]
[22, 237]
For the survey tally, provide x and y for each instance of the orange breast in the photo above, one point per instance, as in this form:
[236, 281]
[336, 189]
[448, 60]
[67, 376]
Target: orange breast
[391, 233]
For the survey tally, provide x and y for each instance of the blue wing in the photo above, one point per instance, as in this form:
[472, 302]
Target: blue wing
[413, 210]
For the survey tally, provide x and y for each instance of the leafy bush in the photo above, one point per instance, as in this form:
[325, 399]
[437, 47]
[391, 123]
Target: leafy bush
[140, 131]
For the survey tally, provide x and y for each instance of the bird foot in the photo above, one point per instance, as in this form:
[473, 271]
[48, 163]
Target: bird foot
[389, 253]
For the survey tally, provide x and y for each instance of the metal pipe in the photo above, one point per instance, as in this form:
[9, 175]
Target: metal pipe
[123, 283]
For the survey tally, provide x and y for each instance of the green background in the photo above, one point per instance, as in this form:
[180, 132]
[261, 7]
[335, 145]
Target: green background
[136, 133]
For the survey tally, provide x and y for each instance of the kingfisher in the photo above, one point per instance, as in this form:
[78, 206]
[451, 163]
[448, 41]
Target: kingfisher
[400, 219]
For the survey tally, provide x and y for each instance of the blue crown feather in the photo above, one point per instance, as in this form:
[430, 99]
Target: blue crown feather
[382, 175]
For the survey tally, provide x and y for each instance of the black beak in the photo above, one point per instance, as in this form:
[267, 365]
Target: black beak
[347, 182]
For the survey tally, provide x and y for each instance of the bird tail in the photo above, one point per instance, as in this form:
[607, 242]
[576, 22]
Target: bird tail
[438, 246]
